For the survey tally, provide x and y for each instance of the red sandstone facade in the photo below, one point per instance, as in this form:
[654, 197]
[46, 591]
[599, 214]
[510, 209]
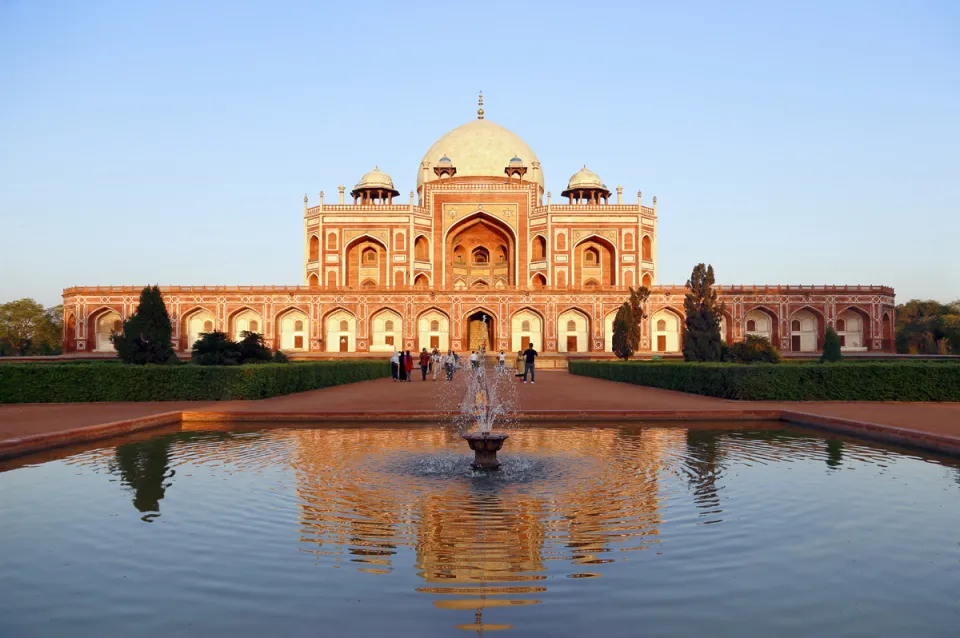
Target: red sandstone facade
[478, 240]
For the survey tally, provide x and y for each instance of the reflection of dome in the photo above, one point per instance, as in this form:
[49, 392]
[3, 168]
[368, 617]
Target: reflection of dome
[375, 179]
[482, 149]
[585, 178]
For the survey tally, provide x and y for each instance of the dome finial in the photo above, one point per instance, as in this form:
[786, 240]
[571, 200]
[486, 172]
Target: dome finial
[480, 110]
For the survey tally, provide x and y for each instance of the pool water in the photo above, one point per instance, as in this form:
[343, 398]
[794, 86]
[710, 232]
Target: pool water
[367, 531]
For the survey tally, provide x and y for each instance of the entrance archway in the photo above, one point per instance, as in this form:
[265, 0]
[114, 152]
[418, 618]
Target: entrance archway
[666, 331]
[480, 247]
[476, 336]
[573, 328]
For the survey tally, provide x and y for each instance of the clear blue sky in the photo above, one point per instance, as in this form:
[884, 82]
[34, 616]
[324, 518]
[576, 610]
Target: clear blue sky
[172, 142]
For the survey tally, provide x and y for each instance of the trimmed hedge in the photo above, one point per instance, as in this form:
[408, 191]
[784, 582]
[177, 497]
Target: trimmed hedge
[874, 381]
[75, 382]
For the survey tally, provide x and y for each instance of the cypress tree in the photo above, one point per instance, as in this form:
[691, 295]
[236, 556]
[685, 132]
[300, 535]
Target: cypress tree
[626, 325]
[621, 332]
[701, 339]
[831, 346]
[147, 333]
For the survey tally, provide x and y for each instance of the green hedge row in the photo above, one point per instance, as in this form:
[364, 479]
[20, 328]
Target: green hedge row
[71, 383]
[876, 381]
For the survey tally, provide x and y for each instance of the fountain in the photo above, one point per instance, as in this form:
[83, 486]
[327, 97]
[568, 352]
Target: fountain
[483, 410]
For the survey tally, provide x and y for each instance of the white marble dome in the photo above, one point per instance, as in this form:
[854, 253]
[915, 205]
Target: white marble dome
[585, 178]
[375, 179]
[479, 148]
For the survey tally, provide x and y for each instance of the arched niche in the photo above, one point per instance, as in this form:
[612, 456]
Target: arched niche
[341, 332]
[666, 333]
[293, 330]
[526, 328]
[386, 330]
[573, 331]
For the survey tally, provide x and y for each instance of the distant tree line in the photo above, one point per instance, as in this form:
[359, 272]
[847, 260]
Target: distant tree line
[928, 327]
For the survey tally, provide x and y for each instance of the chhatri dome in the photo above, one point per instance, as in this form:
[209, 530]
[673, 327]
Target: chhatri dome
[479, 148]
[375, 179]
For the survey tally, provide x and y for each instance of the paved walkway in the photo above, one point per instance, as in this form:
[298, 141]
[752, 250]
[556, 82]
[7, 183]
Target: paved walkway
[557, 390]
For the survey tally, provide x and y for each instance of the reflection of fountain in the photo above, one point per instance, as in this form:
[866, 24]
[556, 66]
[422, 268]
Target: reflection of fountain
[483, 410]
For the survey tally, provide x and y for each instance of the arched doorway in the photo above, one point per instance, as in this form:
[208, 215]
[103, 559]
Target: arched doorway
[665, 326]
[759, 323]
[480, 248]
[195, 324]
[433, 331]
[366, 260]
[293, 328]
[477, 337]
[595, 258]
[526, 329]
[804, 331]
[106, 324]
[341, 330]
[245, 320]
[852, 326]
[386, 332]
[573, 330]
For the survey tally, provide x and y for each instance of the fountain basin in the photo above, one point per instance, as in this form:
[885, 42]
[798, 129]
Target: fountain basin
[485, 446]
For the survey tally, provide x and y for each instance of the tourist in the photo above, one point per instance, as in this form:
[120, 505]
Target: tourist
[519, 364]
[395, 365]
[402, 367]
[474, 360]
[529, 355]
[501, 361]
[424, 364]
[450, 363]
[408, 363]
[436, 362]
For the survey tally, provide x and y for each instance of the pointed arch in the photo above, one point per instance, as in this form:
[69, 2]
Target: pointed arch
[245, 318]
[538, 281]
[422, 281]
[766, 323]
[856, 334]
[421, 248]
[193, 323]
[314, 248]
[433, 329]
[340, 337]
[527, 325]
[355, 270]
[666, 330]
[101, 323]
[573, 330]
[538, 247]
[479, 229]
[646, 248]
[647, 281]
[313, 281]
[386, 330]
[292, 328]
[605, 271]
[806, 325]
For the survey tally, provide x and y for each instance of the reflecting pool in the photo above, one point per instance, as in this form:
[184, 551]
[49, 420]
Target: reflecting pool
[368, 531]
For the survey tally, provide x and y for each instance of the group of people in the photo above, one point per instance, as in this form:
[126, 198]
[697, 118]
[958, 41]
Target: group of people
[402, 363]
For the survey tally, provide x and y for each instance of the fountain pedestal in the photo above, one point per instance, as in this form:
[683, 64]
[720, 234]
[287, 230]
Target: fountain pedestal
[485, 448]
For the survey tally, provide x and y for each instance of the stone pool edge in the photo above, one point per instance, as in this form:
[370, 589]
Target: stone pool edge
[20, 446]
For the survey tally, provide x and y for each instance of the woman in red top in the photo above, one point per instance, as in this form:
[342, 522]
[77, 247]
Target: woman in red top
[408, 364]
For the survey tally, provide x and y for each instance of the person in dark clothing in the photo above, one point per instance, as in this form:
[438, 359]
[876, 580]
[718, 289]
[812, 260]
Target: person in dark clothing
[529, 356]
[402, 367]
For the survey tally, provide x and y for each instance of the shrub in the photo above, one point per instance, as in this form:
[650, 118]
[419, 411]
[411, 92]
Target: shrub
[701, 339]
[215, 349]
[253, 349]
[146, 334]
[279, 357]
[831, 347]
[80, 382]
[753, 349]
[866, 381]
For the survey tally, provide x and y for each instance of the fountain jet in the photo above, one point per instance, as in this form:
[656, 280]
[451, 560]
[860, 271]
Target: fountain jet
[483, 410]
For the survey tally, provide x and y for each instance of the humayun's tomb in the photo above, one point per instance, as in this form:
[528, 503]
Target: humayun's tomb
[480, 236]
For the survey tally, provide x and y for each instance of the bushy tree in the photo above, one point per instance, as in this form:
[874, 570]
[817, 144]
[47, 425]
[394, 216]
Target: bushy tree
[831, 346]
[701, 339]
[253, 349]
[146, 335]
[754, 349]
[20, 324]
[928, 327]
[626, 325]
[215, 349]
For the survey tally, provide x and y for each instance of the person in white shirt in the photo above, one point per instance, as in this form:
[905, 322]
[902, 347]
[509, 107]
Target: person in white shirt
[450, 363]
[502, 361]
[395, 365]
[437, 359]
